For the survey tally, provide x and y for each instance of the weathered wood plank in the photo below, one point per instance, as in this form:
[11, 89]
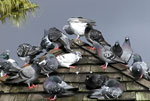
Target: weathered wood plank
[142, 96]
[21, 97]
[5, 88]
[97, 68]
[120, 66]
[93, 60]
[124, 78]
[134, 86]
[7, 97]
[35, 97]
[77, 97]
[62, 70]
[85, 68]
[70, 78]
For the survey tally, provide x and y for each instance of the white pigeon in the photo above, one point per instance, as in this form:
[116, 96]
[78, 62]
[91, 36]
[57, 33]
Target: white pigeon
[66, 60]
[77, 25]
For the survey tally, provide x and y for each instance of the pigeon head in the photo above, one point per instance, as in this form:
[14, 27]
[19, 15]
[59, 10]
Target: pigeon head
[117, 43]
[126, 38]
[137, 58]
[127, 41]
[5, 55]
[137, 70]
[65, 27]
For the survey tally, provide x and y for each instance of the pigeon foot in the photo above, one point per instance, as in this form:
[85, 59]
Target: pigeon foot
[51, 99]
[73, 67]
[103, 67]
[56, 48]
[91, 48]
[34, 86]
[30, 87]
[5, 75]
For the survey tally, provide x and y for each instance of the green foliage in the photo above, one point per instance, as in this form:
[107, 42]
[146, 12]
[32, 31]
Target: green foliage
[15, 10]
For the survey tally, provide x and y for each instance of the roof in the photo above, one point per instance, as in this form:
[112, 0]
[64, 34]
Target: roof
[133, 89]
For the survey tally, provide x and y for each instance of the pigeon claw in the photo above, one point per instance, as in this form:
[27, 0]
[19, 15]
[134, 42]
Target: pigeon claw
[30, 87]
[51, 99]
[34, 86]
[73, 67]
[5, 75]
[103, 67]
[56, 48]
[91, 48]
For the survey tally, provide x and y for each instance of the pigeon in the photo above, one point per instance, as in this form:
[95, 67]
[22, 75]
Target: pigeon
[27, 53]
[6, 55]
[26, 75]
[106, 55]
[46, 43]
[77, 26]
[117, 49]
[93, 34]
[67, 59]
[139, 68]
[127, 50]
[49, 64]
[56, 87]
[95, 81]
[111, 89]
[56, 36]
[7, 65]
[8, 68]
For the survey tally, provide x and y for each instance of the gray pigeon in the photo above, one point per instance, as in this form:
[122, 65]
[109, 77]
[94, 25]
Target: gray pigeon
[139, 68]
[67, 59]
[7, 65]
[111, 89]
[95, 35]
[6, 55]
[117, 49]
[56, 87]
[127, 50]
[77, 26]
[106, 55]
[56, 36]
[27, 53]
[95, 81]
[49, 64]
[46, 43]
[27, 75]
[8, 68]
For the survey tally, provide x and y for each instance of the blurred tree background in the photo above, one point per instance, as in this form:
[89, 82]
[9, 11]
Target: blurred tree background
[15, 10]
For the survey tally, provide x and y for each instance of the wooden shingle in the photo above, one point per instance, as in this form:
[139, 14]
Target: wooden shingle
[89, 64]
